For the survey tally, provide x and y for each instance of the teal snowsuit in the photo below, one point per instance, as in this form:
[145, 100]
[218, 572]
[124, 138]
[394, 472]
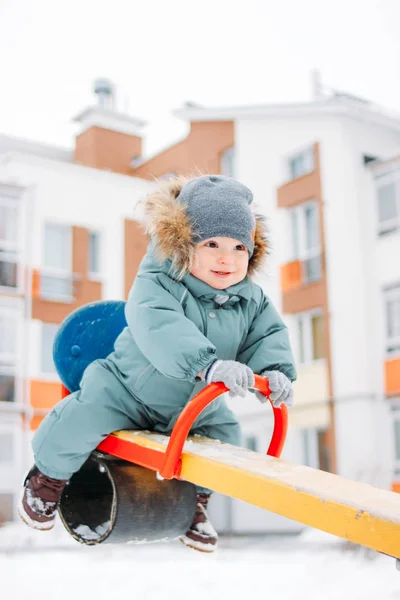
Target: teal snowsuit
[175, 329]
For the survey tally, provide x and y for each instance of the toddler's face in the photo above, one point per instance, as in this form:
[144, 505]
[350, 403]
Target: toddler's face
[220, 262]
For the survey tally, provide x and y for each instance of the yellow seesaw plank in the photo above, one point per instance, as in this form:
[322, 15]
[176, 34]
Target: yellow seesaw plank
[357, 512]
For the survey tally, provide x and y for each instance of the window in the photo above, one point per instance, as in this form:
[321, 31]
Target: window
[306, 245]
[94, 252]
[310, 448]
[7, 387]
[392, 310]
[8, 352]
[388, 195]
[8, 336]
[57, 247]
[56, 282]
[310, 337]
[6, 507]
[228, 162]
[49, 331]
[397, 438]
[396, 431]
[301, 163]
[6, 447]
[9, 240]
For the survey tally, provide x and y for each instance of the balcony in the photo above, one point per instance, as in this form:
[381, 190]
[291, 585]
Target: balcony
[392, 377]
[302, 284]
[56, 294]
[299, 190]
[55, 286]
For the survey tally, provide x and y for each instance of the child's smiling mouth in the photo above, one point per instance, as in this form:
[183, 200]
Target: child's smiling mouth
[222, 273]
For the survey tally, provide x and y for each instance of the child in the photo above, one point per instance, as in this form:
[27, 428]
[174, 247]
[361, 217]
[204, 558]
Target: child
[194, 317]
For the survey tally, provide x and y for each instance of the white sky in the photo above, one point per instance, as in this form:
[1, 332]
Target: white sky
[160, 53]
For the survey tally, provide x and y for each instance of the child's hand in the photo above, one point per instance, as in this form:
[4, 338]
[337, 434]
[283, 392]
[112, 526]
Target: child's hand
[281, 389]
[236, 376]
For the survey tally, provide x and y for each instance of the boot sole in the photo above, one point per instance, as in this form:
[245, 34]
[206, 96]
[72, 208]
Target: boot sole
[199, 546]
[39, 526]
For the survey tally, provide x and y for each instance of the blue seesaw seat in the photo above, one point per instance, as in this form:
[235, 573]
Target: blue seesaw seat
[87, 334]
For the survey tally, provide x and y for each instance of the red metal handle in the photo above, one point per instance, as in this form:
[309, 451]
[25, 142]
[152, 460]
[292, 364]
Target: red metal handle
[171, 465]
[173, 461]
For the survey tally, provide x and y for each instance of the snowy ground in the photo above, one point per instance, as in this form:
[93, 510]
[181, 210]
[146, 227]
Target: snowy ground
[313, 566]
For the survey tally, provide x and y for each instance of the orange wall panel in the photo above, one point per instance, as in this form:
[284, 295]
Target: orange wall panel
[290, 275]
[105, 149]
[392, 376]
[45, 394]
[199, 153]
[35, 422]
[299, 190]
[135, 241]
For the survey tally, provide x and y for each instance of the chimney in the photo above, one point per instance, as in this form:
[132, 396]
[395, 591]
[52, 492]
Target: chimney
[108, 139]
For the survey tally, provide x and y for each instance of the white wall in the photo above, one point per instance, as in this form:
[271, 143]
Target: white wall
[76, 195]
[362, 431]
[69, 194]
[355, 325]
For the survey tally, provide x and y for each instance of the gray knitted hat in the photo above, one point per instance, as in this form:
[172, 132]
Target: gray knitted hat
[219, 206]
[180, 212]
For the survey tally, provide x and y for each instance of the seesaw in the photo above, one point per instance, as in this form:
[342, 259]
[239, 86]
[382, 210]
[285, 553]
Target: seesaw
[140, 486]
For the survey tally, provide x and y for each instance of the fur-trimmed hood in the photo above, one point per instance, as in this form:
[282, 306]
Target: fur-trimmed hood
[166, 221]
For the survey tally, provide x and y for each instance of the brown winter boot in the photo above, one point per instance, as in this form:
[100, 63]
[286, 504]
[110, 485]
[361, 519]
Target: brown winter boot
[41, 495]
[201, 535]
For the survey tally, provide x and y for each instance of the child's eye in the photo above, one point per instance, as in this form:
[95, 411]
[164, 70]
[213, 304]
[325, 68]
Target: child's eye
[240, 247]
[212, 244]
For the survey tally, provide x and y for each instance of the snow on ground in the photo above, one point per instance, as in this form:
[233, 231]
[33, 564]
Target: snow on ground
[37, 565]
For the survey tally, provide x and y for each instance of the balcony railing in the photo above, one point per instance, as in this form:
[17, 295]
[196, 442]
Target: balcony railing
[55, 286]
[301, 272]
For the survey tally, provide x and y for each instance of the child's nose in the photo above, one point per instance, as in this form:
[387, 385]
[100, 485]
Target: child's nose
[225, 259]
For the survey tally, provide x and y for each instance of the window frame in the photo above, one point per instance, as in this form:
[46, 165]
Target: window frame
[307, 152]
[11, 495]
[381, 179]
[47, 375]
[389, 294]
[55, 272]
[13, 252]
[5, 432]
[309, 443]
[228, 157]
[299, 251]
[305, 318]
[395, 412]
[95, 275]
[11, 366]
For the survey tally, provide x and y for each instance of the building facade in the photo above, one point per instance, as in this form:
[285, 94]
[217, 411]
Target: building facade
[311, 167]
[68, 237]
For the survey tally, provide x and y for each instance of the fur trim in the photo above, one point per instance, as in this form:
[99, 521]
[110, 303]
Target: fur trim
[261, 246]
[166, 221]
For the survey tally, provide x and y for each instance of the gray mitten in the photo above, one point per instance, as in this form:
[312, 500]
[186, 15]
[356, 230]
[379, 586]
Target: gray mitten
[236, 376]
[281, 389]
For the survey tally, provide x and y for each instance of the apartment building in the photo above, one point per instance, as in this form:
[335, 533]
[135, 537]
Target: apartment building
[309, 166]
[68, 236]
[386, 173]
